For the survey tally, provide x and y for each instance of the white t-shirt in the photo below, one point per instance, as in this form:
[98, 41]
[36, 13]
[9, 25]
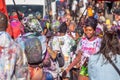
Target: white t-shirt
[89, 47]
[63, 43]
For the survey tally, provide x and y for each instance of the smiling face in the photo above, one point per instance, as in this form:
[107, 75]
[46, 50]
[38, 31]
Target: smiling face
[89, 32]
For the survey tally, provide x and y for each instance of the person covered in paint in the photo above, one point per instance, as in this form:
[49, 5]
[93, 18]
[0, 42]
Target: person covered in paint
[33, 29]
[12, 59]
[62, 43]
[88, 45]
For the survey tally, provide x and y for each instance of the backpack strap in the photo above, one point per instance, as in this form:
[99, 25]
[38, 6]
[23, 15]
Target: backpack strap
[113, 64]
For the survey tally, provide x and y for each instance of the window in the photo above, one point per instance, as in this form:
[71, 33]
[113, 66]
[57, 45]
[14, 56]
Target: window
[26, 9]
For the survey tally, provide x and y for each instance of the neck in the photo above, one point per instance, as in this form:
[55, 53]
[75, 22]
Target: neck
[92, 38]
[62, 34]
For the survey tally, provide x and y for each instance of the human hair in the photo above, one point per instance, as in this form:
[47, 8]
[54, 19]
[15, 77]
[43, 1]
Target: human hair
[72, 23]
[92, 22]
[110, 43]
[63, 28]
[3, 22]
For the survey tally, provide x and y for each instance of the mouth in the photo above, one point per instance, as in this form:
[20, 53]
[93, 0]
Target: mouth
[89, 36]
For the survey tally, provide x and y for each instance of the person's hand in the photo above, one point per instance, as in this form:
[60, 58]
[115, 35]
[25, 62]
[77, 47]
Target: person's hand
[64, 74]
[86, 62]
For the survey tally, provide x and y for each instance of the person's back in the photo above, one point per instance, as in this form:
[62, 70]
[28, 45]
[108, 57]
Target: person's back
[34, 48]
[63, 43]
[13, 66]
[99, 70]
[33, 44]
[11, 59]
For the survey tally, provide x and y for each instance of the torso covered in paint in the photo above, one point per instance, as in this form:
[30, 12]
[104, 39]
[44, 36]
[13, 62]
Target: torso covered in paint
[89, 47]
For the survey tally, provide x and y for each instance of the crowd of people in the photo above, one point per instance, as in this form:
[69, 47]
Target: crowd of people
[79, 44]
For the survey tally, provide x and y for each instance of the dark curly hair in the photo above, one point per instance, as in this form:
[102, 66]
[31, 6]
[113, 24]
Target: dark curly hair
[110, 43]
[63, 28]
[91, 21]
